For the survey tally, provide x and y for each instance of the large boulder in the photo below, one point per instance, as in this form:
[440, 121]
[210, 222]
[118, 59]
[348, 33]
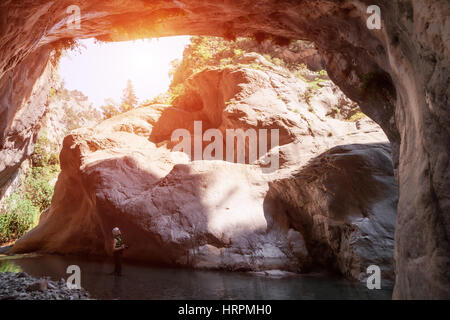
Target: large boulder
[204, 214]
[344, 203]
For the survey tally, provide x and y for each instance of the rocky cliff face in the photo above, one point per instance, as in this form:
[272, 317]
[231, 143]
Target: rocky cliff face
[399, 76]
[67, 110]
[344, 202]
[220, 214]
[24, 103]
[64, 111]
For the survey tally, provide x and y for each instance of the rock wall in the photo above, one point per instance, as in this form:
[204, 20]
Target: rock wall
[67, 111]
[399, 76]
[344, 202]
[24, 97]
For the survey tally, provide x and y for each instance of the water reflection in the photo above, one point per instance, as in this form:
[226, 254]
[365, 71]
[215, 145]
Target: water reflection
[144, 282]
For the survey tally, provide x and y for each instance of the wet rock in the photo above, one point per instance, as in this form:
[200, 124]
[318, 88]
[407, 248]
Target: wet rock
[40, 285]
[276, 274]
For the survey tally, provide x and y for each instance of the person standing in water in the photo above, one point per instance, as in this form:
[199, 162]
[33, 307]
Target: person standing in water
[118, 247]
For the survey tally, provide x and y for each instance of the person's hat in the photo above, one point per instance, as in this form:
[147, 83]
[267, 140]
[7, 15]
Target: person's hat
[115, 231]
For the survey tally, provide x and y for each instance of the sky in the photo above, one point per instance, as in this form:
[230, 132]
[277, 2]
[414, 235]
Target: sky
[101, 70]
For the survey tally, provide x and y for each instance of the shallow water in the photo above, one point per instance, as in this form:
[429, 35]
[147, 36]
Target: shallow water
[146, 282]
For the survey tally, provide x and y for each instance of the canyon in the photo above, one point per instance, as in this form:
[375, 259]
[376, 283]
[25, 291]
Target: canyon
[398, 75]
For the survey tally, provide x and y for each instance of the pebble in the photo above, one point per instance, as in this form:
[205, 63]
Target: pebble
[21, 286]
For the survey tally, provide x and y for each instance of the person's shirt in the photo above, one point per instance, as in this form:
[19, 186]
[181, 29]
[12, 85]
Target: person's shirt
[119, 241]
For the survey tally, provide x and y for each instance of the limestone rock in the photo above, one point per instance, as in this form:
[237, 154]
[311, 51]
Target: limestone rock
[344, 203]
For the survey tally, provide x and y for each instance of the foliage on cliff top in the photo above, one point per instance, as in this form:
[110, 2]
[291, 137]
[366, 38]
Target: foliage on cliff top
[61, 46]
[216, 52]
[205, 52]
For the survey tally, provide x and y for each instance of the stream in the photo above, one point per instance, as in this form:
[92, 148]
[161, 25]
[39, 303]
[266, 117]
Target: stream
[140, 281]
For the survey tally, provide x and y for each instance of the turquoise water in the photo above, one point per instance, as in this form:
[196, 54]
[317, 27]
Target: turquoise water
[146, 282]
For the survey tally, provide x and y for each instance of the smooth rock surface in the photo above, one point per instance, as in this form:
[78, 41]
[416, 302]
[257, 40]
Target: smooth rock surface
[344, 203]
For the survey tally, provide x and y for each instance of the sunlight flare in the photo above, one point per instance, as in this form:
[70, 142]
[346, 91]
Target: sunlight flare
[145, 62]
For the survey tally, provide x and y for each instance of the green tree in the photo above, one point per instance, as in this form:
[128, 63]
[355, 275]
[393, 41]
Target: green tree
[129, 100]
[17, 217]
[109, 109]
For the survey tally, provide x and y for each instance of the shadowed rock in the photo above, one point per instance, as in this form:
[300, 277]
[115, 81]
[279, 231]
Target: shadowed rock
[344, 203]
